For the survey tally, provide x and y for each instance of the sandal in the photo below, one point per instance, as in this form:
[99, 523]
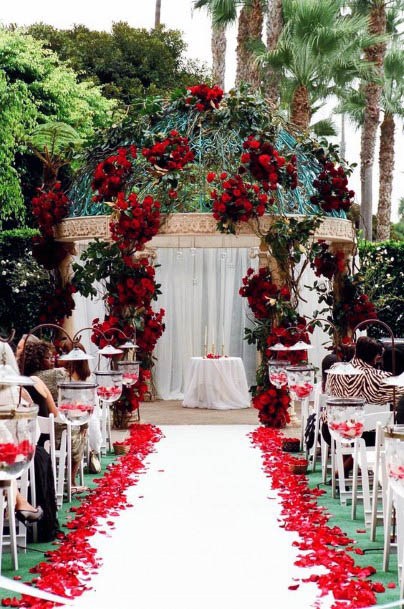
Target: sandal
[79, 489]
[29, 517]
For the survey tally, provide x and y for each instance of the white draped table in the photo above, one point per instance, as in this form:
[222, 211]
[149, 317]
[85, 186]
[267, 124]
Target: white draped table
[217, 383]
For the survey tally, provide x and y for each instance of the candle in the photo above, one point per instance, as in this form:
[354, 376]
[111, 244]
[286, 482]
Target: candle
[223, 339]
[206, 335]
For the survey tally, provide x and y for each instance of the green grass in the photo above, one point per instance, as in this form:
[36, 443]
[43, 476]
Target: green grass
[341, 517]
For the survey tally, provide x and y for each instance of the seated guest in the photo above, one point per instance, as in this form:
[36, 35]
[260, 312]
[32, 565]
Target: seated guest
[30, 361]
[10, 396]
[368, 385]
[42, 365]
[21, 343]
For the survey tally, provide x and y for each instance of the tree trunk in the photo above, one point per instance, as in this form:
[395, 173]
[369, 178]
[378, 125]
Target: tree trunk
[386, 167]
[218, 46]
[274, 29]
[157, 14]
[300, 108]
[342, 146]
[374, 54]
[250, 24]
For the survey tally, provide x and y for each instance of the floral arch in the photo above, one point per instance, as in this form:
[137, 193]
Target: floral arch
[190, 167]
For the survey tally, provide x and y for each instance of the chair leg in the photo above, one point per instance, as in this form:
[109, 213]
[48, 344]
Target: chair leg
[355, 481]
[11, 519]
[387, 529]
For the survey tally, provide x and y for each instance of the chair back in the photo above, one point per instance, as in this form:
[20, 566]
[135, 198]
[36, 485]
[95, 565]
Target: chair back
[384, 417]
[47, 426]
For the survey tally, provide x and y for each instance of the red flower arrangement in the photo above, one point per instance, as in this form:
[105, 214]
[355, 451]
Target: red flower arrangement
[289, 337]
[359, 310]
[326, 263]
[265, 163]
[261, 293]
[239, 201]
[135, 288]
[136, 223]
[169, 154]
[49, 207]
[320, 545]
[204, 97]
[272, 405]
[110, 175]
[332, 189]
[55, 307]
[153, 328]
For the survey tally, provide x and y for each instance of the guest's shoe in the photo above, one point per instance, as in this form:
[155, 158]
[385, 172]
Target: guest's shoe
[29, 517]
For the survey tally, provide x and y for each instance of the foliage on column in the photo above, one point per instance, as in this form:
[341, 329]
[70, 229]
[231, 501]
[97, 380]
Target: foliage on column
[273, 294]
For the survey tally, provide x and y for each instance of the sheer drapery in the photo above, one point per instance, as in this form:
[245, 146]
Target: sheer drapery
[200, 296]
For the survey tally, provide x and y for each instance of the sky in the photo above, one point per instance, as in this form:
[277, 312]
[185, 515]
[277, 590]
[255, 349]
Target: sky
[195, 25]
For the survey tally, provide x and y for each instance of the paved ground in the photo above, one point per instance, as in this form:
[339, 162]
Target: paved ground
[171, 412]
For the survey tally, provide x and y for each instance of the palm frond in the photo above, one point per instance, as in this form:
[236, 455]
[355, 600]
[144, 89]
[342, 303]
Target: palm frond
[324, 128]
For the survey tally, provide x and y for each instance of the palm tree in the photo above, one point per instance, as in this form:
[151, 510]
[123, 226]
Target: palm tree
[250, 24]
[274, 29]
[392, 105]
[157, 14]
[318, 51]
[376, 11]
[218, 45]
[249, 35]
[218, 42]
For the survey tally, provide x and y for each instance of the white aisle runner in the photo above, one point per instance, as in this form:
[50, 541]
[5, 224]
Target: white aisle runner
[202, 532]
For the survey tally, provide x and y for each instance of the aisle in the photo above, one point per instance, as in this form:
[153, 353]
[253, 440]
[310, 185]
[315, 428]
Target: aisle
[202, 532]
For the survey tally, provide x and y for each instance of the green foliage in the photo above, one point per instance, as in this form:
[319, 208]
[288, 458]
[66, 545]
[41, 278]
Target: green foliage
[23, 282]
[35, 87]
[128, 62]
[319, 50]
[382, 271]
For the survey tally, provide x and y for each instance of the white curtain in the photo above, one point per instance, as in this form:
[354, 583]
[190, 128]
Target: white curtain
[319, 339]
[200, 296]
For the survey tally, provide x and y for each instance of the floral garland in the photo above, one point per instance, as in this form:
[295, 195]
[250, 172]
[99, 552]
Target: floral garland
[267, 165]
[131, 286]
[320, 545]
[68, 569]
[49, 207]
[239, 201]
[169, 153]
[137, 222]
[110, 175]
[331, 184]
[326, 263]
[204, 98]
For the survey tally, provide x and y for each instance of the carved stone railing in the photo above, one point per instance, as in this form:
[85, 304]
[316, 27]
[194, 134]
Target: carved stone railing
[196, 230]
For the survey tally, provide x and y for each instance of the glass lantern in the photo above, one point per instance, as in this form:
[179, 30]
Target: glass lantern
[345, 418]
[129, 370]
[109, 385]
[17, 439]
[394, 439]
[300, 381]
[76, 401]
[277, 372]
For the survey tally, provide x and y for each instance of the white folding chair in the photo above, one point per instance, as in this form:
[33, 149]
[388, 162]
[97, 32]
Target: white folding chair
[105, 427]
[364, 457]
[16, 538]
